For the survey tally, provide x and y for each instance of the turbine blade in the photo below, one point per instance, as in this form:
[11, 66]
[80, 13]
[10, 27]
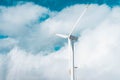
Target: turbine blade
[79, 18]
[62, 36]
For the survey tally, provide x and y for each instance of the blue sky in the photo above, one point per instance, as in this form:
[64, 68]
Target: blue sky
[60, 4]
[30, 50]
[3, 36]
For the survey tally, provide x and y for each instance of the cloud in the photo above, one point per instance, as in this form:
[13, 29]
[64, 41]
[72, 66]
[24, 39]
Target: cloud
[31, 43]
[7, 45]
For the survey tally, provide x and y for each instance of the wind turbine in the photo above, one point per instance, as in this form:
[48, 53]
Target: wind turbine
[71, 39]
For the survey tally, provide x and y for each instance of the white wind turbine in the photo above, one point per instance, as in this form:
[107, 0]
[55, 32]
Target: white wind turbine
[71, 40]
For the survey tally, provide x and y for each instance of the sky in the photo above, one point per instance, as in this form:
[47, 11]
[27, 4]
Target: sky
[61, 4]
[30, 50]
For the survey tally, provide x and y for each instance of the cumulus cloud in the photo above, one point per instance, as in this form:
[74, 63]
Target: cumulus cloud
[31, 44]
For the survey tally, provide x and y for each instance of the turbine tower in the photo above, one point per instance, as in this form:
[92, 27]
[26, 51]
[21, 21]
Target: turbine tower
[71, 39]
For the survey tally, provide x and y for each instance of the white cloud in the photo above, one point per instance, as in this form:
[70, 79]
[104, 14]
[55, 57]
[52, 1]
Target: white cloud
[96, 52]
[15, 20]
[34, 67]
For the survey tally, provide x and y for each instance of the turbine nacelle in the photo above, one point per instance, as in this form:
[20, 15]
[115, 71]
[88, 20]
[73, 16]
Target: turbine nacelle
[74, 38]
[71, 37]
